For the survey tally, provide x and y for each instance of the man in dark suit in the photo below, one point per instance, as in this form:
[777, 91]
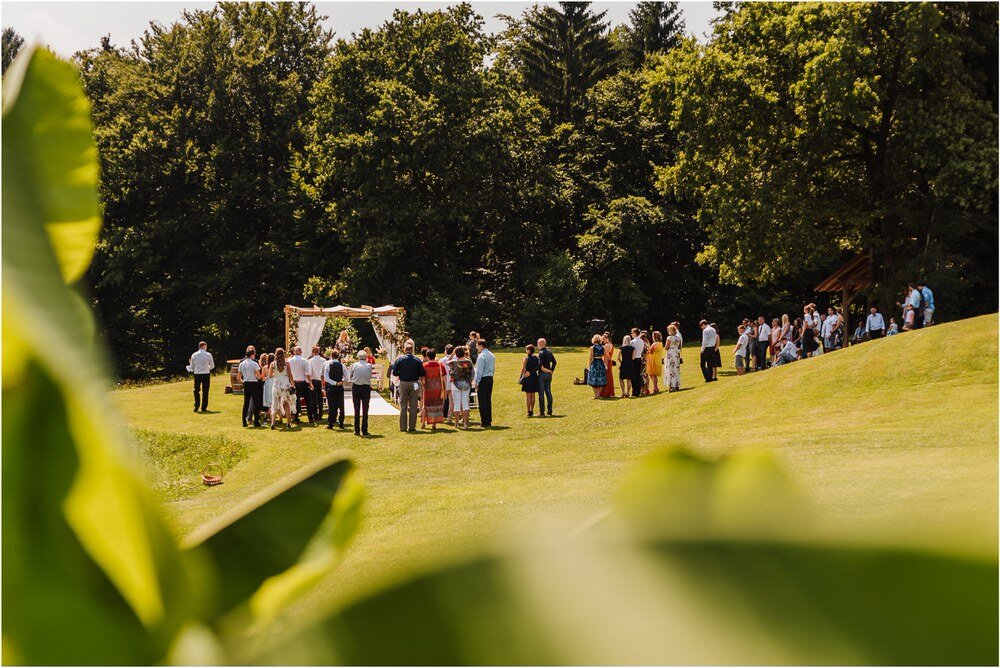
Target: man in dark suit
[547, 365]
[333, 376]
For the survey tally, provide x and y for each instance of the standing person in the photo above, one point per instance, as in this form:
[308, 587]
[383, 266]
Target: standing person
[654, 363]
[809, 344]
[740, 350]
[486, 364]
[751, 332]
[786, 328]
[471, 349]
[776, 337]
[433, 403]
[709, 342]
[909, 318]
[639, 362]
[875, 324]
[626, 358]
[445, 361]
[360, 375]
[716, 356]
[463, 375]
[267, 391]
[529, 378]
[831, 329]
[644, 365]
[597, 373]
[343, 344]
[333, 374]
[300, 374]
[608, 391]
[927, 300]
[915, 300]
[283, 401]
[201, 364]
[763, 342]
[546, 367]
[316, 364]
[410, 372]
[680, 350]
[249, 371]
[673, 359]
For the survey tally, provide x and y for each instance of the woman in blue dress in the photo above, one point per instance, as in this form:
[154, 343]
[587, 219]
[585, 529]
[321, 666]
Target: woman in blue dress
[597, 375]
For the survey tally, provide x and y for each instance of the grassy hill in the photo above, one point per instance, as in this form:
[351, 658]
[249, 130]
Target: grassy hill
[891, 440]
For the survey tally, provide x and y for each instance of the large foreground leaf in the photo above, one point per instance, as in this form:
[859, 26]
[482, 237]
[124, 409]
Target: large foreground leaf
[64, 459]
[277, 543]
[642, 587]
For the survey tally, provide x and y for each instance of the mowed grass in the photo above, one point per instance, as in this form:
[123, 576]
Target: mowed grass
[892, 441]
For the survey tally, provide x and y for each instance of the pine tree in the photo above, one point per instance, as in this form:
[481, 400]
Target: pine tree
[563, 52]
[656, 27]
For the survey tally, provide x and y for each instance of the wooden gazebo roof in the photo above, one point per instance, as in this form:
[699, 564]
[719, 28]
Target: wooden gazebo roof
[853, 276]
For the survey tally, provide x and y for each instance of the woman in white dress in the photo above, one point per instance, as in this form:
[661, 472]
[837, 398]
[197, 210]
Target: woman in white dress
[267, 373]
[673, 360]
[283, 399]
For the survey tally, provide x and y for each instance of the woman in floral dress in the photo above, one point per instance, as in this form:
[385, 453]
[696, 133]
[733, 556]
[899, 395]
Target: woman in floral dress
[673, 360]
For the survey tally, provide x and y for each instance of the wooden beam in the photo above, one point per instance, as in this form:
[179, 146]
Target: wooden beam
[287, 311]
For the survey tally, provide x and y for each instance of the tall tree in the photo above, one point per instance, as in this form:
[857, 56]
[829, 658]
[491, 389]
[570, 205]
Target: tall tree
[563, 52]
[196, 127]
[422, 173]
[817, 129]
[12, 43]
[655, 27]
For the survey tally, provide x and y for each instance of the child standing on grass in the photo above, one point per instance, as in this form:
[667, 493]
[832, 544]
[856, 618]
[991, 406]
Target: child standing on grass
[740, 350]
[908, 321]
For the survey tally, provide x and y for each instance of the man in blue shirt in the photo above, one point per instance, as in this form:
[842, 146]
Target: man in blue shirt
[875, 324]
[928, 302]
[547, 365]
[410, 372]
[485, 368]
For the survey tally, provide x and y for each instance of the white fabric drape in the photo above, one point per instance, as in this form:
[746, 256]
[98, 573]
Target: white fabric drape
[389, 345]
[310, 329]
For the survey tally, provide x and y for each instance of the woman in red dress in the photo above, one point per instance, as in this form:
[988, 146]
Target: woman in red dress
[433, 395]
[609, 388]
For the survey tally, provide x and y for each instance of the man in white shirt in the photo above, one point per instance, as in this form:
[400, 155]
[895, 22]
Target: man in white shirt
[201, 364]
[709, 342]
[740, 350]
[875, 324]
[763, 342]
[316, 362]
[301, 376]
[253, 392]
[789, 353]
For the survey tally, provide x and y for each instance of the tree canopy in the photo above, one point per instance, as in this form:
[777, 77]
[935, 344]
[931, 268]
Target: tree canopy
[520, 184]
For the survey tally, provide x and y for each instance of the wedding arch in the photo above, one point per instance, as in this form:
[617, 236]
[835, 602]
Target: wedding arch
[304, 325]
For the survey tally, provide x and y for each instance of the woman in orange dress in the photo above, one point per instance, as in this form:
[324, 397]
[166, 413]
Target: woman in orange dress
[609, 388]
[433, 408]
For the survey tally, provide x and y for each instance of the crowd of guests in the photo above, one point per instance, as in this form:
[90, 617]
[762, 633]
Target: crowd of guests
[436, 390]
[641, 361]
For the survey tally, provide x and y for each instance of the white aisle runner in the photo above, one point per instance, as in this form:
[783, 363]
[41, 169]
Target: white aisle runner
[377, 405]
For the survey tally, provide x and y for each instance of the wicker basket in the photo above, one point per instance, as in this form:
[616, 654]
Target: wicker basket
[212, 475]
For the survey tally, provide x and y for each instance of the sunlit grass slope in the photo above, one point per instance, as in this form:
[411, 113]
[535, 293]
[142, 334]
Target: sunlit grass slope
[893, 440]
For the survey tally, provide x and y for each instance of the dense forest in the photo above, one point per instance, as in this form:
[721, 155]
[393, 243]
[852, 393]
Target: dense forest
[522, 183]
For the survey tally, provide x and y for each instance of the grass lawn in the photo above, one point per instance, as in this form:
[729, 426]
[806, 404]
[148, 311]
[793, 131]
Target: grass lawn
[891, 440]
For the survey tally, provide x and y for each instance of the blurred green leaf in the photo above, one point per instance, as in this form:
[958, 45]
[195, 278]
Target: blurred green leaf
[49, 156]
[274, 545]
[625, 593]
[116, 546]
